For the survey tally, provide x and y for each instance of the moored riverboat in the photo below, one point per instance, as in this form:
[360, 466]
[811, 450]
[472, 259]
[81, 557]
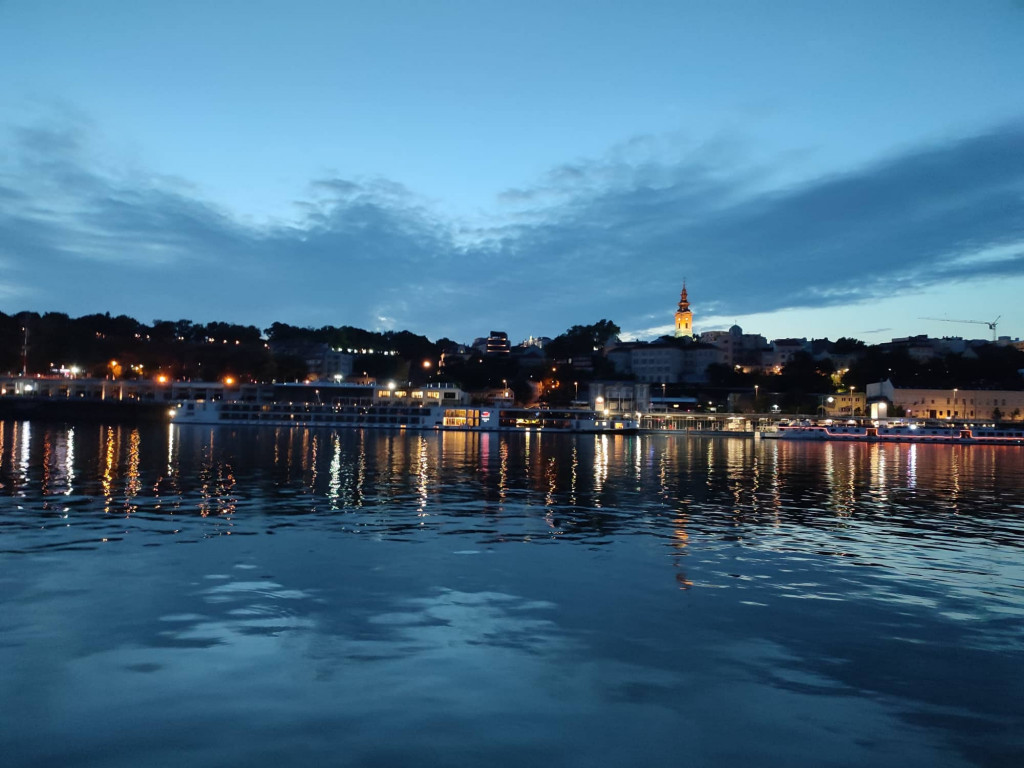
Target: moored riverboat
[426, 408]
[967, 434]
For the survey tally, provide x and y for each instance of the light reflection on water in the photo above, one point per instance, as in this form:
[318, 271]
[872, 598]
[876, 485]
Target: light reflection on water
[364, 598]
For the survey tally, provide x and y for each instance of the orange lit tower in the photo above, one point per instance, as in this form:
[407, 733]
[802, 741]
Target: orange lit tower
[684, 317]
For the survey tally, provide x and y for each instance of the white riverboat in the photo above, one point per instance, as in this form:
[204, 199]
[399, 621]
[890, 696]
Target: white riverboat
[968, 434]
[371, 407]
[502, 418]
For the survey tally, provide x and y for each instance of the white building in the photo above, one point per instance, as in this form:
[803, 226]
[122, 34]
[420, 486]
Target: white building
[951, 403]
[665, 362]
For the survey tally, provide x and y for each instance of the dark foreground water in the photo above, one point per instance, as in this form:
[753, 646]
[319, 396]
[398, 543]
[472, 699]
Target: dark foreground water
[259, 597]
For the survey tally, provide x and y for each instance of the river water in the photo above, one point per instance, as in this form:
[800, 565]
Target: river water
[195, 596]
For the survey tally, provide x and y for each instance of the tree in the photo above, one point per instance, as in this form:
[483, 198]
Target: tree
[845, 346]
[290, 368]
[582, 340]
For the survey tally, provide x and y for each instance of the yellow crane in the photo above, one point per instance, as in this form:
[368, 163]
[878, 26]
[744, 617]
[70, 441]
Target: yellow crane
[991, 324]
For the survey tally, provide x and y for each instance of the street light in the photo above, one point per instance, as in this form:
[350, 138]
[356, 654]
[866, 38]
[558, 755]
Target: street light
[822, 404]
[756, 387]
[955, 390]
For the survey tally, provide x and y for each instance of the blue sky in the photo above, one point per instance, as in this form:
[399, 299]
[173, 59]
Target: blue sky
[810, 168]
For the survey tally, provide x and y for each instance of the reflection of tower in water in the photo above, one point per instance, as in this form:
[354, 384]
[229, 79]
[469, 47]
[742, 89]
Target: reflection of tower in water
[21, 444]
[314, 449]
[216, 484]
[503, 469]
[736, 475]
[551, 476]
[58, 466]
[334, 483]
[600, 467]
[841, 476]
[171, 474]
[69, 461]
[879, 471]
[44, 488]
[132, 484]
[775, 483]
[680, 542]
[955, 457]
[574, 475]
[422, 475]
[110, 449]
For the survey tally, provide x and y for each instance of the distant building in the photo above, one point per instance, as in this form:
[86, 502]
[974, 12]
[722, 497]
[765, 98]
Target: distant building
[847, 404]
[331, 364]
[923, 348]
[321, 360]
[738, 348]
[657, 362]
[497, 344]
[536, 341]
[665, 362]
[951, 403]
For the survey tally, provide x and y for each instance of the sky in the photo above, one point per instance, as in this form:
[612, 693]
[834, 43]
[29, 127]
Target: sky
[809, 169]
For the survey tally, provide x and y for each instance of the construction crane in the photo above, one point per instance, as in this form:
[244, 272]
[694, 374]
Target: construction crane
[992, 325]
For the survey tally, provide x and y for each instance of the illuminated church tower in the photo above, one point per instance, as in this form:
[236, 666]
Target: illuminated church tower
[684, 317]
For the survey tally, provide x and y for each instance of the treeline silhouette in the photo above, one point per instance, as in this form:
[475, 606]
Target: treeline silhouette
[104, 345]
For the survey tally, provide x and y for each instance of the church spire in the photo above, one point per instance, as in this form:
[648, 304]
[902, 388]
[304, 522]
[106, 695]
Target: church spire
[684, 303]
[684, 315]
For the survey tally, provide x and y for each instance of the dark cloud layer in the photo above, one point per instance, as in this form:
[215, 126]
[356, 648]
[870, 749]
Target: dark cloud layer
[590, 240]
[908, 221]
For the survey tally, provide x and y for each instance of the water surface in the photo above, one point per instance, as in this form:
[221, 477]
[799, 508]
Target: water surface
[211, 596]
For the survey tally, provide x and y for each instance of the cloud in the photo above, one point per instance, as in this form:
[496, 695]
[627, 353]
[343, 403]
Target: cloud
[612, 237]
[78, 237]
[909, 221]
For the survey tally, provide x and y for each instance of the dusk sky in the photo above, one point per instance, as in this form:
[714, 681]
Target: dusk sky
[810, 168]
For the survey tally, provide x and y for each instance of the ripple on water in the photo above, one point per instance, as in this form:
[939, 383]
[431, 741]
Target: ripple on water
[351, 593]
